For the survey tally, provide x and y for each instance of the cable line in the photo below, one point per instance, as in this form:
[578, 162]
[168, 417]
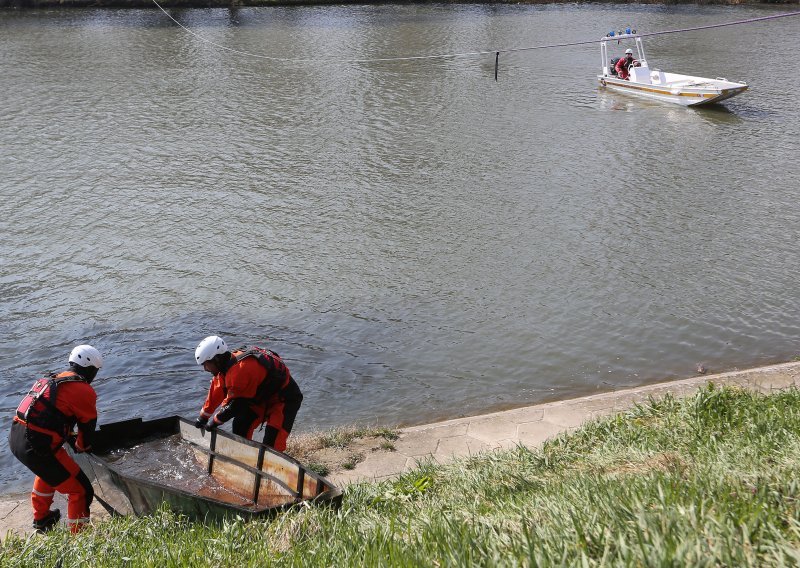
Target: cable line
[494, 52]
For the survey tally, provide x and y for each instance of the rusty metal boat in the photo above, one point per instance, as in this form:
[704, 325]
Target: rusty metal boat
[134, 469]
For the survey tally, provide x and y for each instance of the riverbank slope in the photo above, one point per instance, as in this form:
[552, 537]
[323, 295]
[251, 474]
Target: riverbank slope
[710, 479]
[443, 442]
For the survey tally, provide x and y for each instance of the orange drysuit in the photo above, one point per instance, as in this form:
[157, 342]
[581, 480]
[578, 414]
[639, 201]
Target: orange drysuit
[45, 419]
[255, 389]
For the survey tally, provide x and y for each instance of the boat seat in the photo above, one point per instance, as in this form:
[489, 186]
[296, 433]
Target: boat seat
[657, 76]
[640, 75]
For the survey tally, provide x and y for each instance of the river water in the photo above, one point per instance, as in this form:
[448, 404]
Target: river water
[416, 239]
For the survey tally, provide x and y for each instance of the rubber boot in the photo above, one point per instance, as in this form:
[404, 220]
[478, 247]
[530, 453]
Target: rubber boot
[48, 523]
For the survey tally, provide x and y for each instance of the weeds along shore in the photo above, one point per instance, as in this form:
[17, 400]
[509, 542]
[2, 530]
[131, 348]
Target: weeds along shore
[709, 480]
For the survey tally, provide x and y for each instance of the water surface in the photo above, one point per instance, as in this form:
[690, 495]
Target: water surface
[418, 241]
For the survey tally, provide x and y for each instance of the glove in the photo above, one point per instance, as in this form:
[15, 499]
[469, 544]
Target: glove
[211, 427]
[200, 422]
[72, 440]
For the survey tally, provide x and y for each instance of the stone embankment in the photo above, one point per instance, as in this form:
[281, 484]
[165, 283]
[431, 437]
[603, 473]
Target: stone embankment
[529, 426]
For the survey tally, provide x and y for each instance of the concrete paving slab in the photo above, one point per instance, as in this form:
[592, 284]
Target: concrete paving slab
[520, 415]
[380, 463]
[416, 443]
[595, 414]
[459, 446]
[567, 416]
[507, 444]
[599, 403]
[533, 434]
[420, 461]
[375, 466]
[629, 399]
[777, 381]
[344, 478]
[16, 514]
[456, 427]
[8, 507]
[490, 430]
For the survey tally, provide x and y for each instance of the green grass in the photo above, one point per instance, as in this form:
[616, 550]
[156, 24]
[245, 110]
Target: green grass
[712, 480]
[318, 468]
[342, 437]
[353, 459]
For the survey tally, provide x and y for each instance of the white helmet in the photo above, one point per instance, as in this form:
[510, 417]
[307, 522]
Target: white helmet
[210, 347]
[627, 51]
[86, 356]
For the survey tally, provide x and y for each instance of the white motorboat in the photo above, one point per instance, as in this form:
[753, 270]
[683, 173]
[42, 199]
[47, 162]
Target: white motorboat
[652, 83]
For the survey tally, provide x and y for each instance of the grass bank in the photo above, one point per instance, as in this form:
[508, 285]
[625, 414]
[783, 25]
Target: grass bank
[705, 481]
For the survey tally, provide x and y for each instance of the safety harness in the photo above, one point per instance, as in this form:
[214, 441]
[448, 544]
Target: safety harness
[274, 366]
[38, 408]
[270, 360]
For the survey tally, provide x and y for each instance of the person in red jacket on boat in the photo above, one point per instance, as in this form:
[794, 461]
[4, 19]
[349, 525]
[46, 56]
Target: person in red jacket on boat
[44, 420]
[625, 63]
[253, 387]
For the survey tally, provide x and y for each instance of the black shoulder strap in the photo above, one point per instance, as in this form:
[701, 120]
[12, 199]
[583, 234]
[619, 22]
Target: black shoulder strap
[52, 386]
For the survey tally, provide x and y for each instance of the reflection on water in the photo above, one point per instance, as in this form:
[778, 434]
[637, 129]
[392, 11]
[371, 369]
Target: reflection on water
[714, 113]
[721, 115]
[172, 462]
[608, 100]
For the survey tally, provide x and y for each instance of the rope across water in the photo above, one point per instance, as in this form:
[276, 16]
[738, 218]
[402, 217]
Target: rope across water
[495, 52]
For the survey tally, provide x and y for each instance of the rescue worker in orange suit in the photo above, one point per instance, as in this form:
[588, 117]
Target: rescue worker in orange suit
[253, 387]
[44, 420]
[624, 64]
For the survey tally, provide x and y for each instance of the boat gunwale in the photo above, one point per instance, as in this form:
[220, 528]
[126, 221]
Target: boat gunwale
[704, 95]
[255, 471]
[331, 495]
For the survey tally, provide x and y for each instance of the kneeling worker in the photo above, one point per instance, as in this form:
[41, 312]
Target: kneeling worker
[45, 419]
[625, 63]
[252, 386]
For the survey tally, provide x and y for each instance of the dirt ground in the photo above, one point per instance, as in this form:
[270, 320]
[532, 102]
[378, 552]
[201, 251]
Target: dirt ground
[341, 449]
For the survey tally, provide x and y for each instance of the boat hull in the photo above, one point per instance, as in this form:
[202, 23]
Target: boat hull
[264, 480]
[685, 96]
